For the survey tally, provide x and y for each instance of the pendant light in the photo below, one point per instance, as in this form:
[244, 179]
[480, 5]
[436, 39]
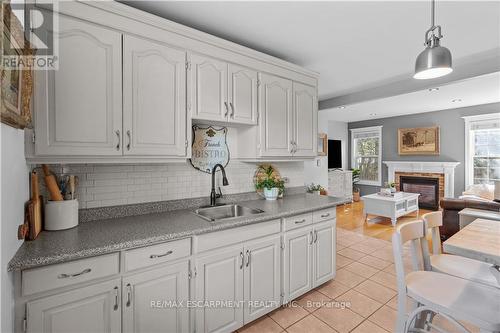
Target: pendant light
[435, 60]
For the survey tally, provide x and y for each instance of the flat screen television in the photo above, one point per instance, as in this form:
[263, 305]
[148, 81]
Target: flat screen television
[334, 154]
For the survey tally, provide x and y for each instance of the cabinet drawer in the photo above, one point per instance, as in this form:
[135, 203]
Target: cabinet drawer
[297, 221]
[155, 254]
[61, 275]
[324, 214]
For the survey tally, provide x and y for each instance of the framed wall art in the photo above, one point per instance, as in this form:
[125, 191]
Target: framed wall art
[418, 141]
[209, 148]
[322, 144]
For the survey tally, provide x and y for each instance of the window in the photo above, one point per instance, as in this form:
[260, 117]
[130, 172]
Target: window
[366, 149]
[482, 149]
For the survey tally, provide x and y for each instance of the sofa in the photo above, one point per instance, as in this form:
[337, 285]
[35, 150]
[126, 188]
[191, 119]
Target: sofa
[451, 207]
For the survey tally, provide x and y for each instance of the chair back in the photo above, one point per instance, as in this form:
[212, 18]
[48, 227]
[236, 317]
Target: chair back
[432, 222]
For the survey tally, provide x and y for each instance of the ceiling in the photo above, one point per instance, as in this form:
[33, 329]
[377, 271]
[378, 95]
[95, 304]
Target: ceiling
[473, 91]
[354, 45]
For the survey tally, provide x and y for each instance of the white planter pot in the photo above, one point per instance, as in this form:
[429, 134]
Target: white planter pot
[316, 192]
[271, 193]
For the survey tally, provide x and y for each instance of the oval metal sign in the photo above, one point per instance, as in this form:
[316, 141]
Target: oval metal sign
[209, 148]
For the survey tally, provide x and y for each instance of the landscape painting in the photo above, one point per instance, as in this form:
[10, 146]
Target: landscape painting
[418, 141]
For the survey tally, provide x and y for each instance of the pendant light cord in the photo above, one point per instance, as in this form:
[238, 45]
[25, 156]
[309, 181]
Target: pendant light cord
[433, 6]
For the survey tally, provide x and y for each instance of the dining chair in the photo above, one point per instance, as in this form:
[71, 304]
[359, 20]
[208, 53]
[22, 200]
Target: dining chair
[458, 266]
[432, 293]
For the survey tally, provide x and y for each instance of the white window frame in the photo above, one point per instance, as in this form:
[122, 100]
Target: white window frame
[371, 129]
[469, 120]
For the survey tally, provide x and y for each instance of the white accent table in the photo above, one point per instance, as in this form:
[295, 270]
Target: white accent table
[391, 207]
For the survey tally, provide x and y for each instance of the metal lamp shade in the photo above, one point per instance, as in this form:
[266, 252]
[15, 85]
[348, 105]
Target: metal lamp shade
[434, 61]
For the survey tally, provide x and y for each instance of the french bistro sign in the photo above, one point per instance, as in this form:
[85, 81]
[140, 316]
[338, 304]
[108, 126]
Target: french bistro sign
[209, 148]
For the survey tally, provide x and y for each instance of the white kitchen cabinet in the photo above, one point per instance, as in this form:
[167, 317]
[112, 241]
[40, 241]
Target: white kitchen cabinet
[95, 308]
[220, 278]
[297, 262]
[78, 108]
[275, 108]
[323, 266]
[154, 98]
[262, 285]
[208, 88]
[305, 120]
[242, 95]
[156, 300]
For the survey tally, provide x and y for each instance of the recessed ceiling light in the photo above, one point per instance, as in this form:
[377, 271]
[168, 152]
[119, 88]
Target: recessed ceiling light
[373, 114]
[342, 107]
[456, 100]
[434, 89]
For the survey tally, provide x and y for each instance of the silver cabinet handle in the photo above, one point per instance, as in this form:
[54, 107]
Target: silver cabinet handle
[325, 215]
[248, 257]
[65, 276]
[291, 149]
[129, 294]
[115, 307]
[227, 110]
[153, 256]
[242, 260]
[117, 132]
[232, 109]
[311, 234]
[315, 236]
[301, 221]
[129, 139]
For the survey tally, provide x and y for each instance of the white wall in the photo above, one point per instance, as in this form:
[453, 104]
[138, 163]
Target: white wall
[15, 192]
[316, 171]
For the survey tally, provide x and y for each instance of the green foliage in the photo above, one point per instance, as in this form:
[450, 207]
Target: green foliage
[355, 179]
[269, 181]
[313, 188]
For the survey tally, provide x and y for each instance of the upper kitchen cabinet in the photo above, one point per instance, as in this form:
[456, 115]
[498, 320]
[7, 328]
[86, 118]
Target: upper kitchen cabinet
[154, 98]
[305, 115]
[242, 95]
[275, 105]
[208, 88]
[78, 108]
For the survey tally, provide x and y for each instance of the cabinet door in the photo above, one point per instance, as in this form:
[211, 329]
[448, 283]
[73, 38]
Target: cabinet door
[297, 263]
[323, 253]
[95, 308]
[208, 88]
[275, 108]
[78, 108]
[242, 92]
[305, 115]
[220, 278]
[154, 98]
[156, 300]
[262, 277]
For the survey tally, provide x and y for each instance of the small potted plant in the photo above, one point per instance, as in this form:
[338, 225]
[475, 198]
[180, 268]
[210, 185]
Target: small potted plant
[392, 186]
[315, 189]
[270, 185]
[355, 190]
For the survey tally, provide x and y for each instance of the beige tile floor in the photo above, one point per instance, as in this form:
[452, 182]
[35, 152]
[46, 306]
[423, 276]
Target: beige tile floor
[365, 283]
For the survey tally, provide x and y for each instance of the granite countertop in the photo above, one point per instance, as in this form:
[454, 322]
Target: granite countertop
[112, 235]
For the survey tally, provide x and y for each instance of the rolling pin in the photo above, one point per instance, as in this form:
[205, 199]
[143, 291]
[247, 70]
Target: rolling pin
[51, 184]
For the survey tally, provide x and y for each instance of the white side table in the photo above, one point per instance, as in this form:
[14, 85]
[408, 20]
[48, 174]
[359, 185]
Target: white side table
[391, 207]
[468, 215]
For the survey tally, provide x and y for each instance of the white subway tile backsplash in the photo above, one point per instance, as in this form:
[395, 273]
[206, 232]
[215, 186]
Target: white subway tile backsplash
[111, 185]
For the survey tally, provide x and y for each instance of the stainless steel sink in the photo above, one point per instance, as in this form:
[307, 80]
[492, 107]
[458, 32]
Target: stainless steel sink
[217, 213]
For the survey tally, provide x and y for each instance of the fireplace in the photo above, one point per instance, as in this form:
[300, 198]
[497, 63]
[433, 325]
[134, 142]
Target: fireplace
[428, 187]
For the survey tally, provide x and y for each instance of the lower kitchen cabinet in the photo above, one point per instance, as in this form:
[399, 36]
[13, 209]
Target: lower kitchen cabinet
[220, 279]
[95, 308]
[262, 287]
[156, 300]
[309, 258]
[297, 262]
[323, 253]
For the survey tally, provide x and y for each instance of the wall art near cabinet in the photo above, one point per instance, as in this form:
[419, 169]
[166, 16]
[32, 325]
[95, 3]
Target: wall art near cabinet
[418, 141]
[16, 83]
[322, 144]
[209, 148]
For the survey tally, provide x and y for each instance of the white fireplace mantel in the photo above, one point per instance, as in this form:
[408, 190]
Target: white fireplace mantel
[446, 168]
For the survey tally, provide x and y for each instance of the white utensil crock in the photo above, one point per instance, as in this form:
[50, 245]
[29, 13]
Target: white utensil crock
[60, 215]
